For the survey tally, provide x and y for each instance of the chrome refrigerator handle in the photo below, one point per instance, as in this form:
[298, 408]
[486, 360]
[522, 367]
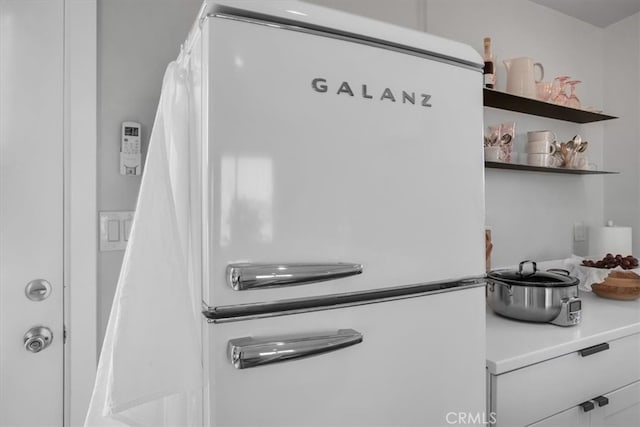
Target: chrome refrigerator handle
[249, 352]
[256, 276]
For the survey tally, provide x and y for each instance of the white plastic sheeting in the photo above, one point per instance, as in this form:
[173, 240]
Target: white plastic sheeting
[150, 369]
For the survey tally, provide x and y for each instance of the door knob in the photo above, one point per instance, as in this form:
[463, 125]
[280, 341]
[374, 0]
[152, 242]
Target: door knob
[37, 339]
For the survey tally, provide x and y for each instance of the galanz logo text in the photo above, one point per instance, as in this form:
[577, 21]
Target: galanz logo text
[363, 91]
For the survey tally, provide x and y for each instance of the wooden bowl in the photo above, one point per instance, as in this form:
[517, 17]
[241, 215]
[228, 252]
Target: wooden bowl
[620, 282]
[605, 290]
[621, 285]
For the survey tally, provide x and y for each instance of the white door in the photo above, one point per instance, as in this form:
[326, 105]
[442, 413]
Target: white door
[31, 211]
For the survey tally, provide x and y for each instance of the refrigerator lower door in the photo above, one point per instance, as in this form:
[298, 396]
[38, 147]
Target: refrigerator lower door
[419, 362]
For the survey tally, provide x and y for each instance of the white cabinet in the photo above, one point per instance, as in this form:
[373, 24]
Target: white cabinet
[620, 409]
[550, 393]
[623, 409]
[574, 417]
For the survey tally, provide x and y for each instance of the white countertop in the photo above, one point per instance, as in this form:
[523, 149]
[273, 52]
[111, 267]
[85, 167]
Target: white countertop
[513, 344]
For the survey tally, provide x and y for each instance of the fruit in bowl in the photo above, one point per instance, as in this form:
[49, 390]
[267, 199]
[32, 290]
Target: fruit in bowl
[609, 261]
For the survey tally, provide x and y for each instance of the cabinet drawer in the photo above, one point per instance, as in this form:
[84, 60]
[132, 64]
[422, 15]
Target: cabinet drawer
[528, 394]
[623, 408]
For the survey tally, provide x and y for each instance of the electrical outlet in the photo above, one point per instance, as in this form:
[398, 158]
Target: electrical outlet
[579, 232]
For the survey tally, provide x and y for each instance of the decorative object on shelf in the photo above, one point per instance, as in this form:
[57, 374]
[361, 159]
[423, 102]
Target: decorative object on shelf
[488, 247]
[492, 136]
[489, 70]
[581, 158]
[570, 154]
[542, 159]
[507, 135]
[543, 90]
[540, 148]
[563, 155]
[492, 153]
[573, 101]
[498, 142]
[559, 90]
[520, 76]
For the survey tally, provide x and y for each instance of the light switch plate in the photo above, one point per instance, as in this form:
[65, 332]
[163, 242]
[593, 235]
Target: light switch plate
[114, 230]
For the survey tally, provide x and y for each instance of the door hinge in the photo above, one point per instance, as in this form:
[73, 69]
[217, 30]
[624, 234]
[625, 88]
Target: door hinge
[64, 334]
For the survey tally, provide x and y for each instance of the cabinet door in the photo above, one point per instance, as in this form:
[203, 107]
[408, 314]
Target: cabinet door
[571, 417]
[623, 409]
[546, 383]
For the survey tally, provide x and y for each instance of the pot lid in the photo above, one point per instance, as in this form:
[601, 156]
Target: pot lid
[533, 277]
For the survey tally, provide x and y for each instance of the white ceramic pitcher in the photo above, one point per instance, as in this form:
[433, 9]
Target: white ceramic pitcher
[520, 76]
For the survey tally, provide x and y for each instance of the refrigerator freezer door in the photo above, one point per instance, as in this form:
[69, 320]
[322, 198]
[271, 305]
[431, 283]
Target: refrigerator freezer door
[420, 360]
[326, 150]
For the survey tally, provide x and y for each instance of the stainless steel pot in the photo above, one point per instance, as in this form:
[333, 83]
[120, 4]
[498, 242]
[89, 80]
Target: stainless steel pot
[535, 296]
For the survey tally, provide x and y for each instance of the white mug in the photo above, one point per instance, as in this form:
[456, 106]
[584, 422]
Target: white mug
[540, 146]
[540, 159]
[492, 153]
[537, 135]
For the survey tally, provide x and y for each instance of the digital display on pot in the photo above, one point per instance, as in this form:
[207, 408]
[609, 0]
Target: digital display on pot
[575, 306]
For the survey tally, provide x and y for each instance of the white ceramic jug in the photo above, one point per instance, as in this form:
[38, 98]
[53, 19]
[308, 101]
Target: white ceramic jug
[520, 76]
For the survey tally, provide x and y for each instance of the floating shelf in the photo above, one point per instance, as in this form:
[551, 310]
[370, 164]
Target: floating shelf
[506, 101]
[521, 167]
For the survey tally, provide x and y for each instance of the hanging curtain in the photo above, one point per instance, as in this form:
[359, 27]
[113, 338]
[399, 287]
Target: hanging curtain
[150, 369]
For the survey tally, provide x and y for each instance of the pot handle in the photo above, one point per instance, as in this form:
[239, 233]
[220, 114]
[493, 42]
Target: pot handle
[560, 270]
[491, 284]
[520, 268]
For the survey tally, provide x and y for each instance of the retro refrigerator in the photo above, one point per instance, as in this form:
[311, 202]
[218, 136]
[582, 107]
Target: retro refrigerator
[342, 210]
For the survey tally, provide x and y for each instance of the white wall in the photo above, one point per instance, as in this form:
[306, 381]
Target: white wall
[136, 41]
[621, 82]
[532, 214]
[406, 13]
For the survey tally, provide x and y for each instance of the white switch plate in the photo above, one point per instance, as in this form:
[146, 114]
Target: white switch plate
[114, 230]
[579, 232]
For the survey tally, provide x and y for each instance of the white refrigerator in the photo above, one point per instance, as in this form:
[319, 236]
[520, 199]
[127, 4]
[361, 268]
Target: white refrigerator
[342, 211]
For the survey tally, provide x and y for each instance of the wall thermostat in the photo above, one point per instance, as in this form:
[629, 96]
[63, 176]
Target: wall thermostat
[130, 158]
